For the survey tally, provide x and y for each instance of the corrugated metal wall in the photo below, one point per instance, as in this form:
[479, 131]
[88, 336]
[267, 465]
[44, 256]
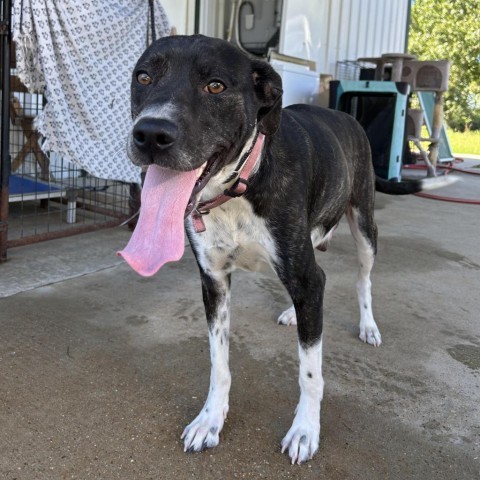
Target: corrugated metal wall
[346, 29]
[365, 28]
[325, 31]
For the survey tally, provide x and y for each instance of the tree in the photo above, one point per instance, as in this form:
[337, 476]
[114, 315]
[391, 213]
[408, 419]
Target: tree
[450, 29]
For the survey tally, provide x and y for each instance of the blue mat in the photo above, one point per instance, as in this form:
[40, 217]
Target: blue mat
[21, 185]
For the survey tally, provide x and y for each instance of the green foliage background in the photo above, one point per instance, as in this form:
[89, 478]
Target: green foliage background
[450, 29]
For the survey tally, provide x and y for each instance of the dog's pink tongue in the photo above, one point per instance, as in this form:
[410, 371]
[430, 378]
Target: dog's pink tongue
[159, 236]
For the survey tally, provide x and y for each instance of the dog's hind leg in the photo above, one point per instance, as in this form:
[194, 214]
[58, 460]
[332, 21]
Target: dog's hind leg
[288, 317]
[204, 431]
[364, 231]
[306, 287]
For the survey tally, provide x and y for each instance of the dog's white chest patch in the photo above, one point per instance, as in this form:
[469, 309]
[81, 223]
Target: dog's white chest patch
[234, 238]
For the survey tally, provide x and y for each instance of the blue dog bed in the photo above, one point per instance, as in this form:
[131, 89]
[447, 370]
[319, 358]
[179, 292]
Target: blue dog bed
[26, 188]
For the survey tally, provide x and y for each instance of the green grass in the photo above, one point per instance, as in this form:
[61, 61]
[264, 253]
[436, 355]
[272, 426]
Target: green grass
[465, 142]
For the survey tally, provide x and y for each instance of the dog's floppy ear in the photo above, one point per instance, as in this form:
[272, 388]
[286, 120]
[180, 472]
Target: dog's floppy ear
[268, 88]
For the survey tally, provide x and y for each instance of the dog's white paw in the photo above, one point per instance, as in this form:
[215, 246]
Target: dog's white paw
[301, 441]
[204, 431]
[371, 335]
[288, 317]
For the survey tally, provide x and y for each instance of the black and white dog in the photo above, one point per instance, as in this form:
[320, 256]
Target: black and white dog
[209, 124]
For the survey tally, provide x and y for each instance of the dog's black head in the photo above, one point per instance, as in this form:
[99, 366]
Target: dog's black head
[197, 99]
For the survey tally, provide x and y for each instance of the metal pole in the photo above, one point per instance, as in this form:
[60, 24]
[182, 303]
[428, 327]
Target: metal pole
[408, 24]
[437, 124]
[196, 27]
[5, 161]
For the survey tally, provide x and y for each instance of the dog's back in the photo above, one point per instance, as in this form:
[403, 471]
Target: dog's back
[332, 167]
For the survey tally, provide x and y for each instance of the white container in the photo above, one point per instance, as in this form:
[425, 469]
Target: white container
[300, 85]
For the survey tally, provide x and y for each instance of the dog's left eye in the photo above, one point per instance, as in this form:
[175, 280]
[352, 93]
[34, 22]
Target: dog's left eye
[144, 78]
[215, 87]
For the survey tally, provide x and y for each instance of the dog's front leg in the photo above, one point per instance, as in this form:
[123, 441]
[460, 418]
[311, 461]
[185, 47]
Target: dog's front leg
[306, 289]
[204, 431]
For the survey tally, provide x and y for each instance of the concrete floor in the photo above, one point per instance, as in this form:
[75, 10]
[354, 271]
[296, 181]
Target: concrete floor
[102, 369]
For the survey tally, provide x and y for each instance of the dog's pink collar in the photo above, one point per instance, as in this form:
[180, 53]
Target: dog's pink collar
[236, 190]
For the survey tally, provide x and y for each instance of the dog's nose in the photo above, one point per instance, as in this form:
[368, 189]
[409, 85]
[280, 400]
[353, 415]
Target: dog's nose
[150, 134]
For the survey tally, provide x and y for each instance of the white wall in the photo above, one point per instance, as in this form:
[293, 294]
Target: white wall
[181, 14]
[343, 29]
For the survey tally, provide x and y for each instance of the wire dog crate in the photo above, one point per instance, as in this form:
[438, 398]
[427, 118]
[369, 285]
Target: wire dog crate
[347, 70]
[44, 196]
[354, 70]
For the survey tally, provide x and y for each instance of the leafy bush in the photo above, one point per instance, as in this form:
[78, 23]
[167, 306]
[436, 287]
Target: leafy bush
[449, 29]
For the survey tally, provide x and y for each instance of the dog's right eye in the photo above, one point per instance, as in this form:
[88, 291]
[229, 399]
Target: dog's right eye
[144, 78]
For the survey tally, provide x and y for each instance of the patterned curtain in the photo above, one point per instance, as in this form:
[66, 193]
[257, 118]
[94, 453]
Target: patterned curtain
[80, 56]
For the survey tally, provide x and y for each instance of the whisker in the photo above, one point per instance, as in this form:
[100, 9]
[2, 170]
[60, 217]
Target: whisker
[129, 219]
